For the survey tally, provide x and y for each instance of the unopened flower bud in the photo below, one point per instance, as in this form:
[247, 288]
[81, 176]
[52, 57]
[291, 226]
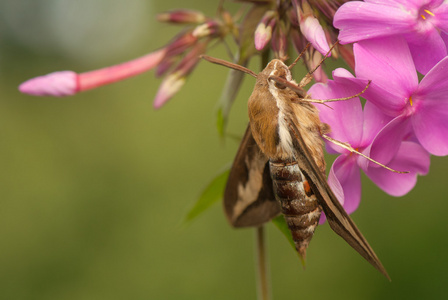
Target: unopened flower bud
[310, 26]
[68, 83]
[174, 81]
[58, 84]
[314, 33]
[166, 64]
[279, 43]
[182, 16]
[169, 87]
[263, 33]
[180, 43]
[211, 28]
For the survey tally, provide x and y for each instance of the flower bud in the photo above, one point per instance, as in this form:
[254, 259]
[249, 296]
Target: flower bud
[68, 83]
[169, 87]
[210, 28]
[263, 33]
[314, 33]
[182, 16]
[58, 84]
[279, 43]
[176, 79]
[180, 43]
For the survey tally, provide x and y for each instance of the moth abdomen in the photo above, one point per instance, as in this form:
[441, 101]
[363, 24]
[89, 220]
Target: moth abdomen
[298, 203]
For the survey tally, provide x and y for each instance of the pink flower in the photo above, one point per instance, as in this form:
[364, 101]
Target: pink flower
[67, 83]
[423, 23]
[372, 133]
[419, 108]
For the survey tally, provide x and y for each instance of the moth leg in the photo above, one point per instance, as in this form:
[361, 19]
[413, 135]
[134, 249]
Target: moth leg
[335, 99]
[350, 148]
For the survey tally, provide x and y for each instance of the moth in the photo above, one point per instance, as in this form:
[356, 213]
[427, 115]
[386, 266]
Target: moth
[280, 166]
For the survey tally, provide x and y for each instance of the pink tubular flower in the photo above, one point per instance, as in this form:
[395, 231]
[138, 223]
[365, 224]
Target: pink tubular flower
[423, 23]
[370, 132]
[67, 83]
[419, 108]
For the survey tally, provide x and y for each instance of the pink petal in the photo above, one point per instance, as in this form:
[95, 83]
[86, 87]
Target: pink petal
[360, 20]
[395, 3]
[434, 86]
[314, 33]
[444, 38]
[335, 186]
[374, 121]
[345, 118]
[58, 84]
[441, 19]
[349, 177]
[388, 63]
[431, 127]
[410, 157]
[428, 50]
[430, 115]
[386, 144]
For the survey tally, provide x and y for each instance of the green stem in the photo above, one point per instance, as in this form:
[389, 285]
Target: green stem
[263, 286]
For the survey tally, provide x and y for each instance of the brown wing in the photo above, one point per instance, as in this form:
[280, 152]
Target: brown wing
[249, 198]
[338, 219]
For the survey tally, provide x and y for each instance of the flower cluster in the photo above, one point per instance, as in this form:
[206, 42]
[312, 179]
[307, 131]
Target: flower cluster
[403, 120]
[266, 22]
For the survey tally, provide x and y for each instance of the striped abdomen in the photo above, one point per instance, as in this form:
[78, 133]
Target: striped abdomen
[298, 203]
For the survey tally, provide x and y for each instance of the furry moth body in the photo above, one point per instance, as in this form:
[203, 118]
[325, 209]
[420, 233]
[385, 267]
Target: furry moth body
[280, 167]
[270, 112]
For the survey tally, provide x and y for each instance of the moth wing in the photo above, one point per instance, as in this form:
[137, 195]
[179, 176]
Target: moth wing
[249, 197]
[339, 220]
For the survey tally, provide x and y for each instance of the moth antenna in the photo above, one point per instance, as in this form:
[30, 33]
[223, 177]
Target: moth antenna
[349, 148]
[307, 79]
[336, 99]
[228, 64]
[300, 55]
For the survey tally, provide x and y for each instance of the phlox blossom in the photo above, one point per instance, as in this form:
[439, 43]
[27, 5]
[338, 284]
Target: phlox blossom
[368, 131]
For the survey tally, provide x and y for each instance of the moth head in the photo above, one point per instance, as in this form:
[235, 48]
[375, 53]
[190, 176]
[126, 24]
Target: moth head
[277, 68]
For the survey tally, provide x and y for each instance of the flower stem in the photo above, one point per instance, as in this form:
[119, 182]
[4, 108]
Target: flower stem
[263, 285]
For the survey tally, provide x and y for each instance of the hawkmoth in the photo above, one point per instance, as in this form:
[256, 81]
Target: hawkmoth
[280, 166]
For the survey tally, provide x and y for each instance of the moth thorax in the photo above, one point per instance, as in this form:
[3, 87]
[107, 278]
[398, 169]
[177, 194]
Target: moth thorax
[282, 98]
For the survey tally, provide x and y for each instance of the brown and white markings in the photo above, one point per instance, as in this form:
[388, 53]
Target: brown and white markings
[284, 140]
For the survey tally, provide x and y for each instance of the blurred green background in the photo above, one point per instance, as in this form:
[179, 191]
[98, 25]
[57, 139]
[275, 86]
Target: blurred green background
[93, 188]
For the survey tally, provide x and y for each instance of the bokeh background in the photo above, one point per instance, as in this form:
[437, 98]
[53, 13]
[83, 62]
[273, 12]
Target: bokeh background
[94, 188]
